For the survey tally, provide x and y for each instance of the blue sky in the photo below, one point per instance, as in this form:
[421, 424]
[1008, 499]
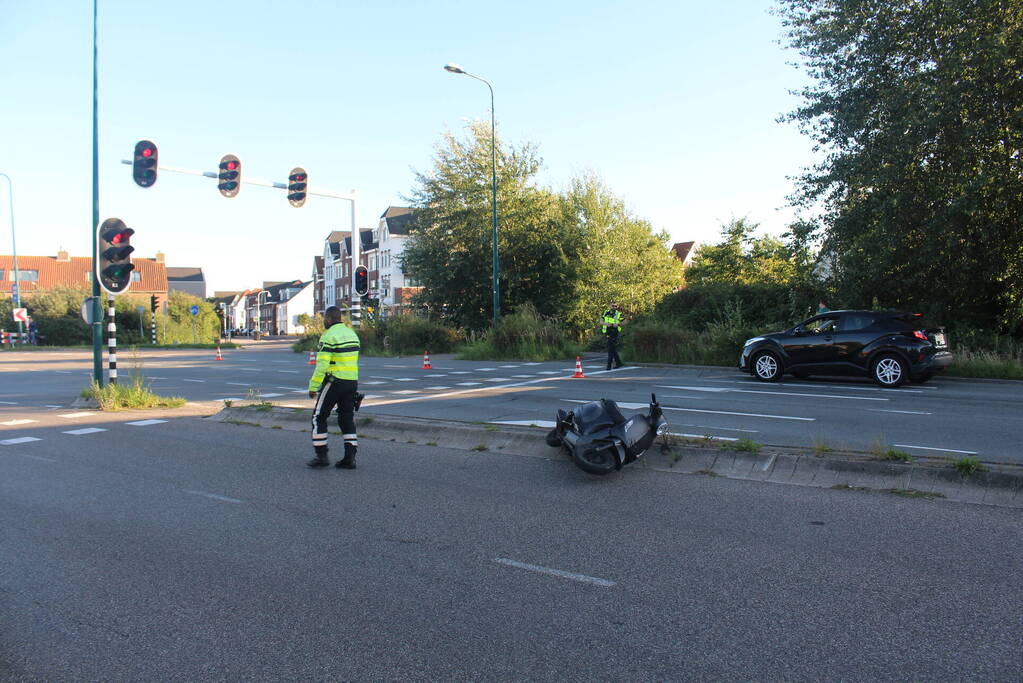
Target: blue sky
[673, 103]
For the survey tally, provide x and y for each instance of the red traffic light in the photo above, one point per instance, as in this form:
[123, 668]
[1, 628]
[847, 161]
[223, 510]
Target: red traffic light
[147, 152]
[231, 165]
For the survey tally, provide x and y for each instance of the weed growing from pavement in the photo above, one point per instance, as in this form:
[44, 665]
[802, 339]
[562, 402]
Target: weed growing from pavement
[132, 396]
[431, 443]
[968, 465]
[892, 454]
[709, 473]
[366, 421]
[744, 444]
[905, 493]
[480, 447]
[243, 422]
[228, 403]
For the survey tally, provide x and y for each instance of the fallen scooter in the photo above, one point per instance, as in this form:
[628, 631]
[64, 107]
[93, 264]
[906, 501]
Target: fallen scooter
[600, 439]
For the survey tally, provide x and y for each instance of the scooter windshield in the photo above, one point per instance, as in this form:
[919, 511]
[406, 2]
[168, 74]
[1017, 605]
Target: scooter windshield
[597, 416]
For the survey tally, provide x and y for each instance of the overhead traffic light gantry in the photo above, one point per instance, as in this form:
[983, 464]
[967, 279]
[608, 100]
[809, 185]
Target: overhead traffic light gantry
[297, 182]
[144, 164]
[113, 262]
[229, 178]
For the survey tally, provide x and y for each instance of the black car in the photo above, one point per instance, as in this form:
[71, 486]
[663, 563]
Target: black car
[889, 346]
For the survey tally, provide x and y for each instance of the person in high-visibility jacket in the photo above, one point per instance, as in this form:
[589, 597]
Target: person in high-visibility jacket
[335, 382]
[612, 320]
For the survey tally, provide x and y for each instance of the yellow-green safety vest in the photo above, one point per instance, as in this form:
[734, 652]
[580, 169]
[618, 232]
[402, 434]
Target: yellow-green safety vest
[611, 318]
[337, 355]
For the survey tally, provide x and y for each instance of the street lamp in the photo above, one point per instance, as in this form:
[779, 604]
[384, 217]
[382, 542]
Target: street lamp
[456, 69]
[16, 289]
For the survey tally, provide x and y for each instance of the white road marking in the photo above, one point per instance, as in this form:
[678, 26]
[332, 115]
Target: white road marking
[498, 379]
[21, 439]
[231, 398]
[901, 412]
[469, 384]
[404, 379]
[289, 372]
[460, 372]
[603, 583]
[146, 423]
[405, 391]
[73, 416]
[15, 423]
[280, 361]
[193, 380]
[443, 374]
[929, 448]
[485, 369]
[36, 457]
[775, 393]
[214, 496]
[289, 388]
[521, 376]
[87, 430]
[9, 403]
[725, 412]
[394, 366]
[250, 370]
[549, 372]
[272, 395]
[509, 366]
[704, 436]
[53, 406]
[239, 384]
[723, 429]
[372, 382]
[291, 405]
[61, 372]
[433, 389]
[156, 378]
[525, 423]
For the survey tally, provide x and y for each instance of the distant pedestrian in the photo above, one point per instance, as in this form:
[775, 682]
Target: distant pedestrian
[334, 383]
[33, 332]
[822, 307]
[612, 320]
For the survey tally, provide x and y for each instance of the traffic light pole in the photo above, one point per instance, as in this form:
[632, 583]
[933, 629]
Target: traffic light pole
[97, 306]
[356, 237]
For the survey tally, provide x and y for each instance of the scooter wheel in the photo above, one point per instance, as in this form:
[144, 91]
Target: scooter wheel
[596, 461]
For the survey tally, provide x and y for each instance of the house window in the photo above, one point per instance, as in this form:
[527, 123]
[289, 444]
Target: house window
[25, 275]
[136, 276]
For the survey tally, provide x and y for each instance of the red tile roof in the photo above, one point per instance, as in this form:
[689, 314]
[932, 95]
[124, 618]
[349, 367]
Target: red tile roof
[682, 250]
[76, 271]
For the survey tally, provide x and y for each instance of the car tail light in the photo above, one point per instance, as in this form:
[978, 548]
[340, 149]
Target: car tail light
[920, 335]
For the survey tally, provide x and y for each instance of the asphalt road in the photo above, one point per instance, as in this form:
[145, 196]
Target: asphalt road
[187, 550]
[947, 416]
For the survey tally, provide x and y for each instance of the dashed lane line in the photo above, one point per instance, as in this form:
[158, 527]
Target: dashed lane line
[213, 496]
[469, 384]
[9, 403]
[560, 573]
[20, 439]
[146, 423]
[86, 430]
[432, 389]
[900, 412]
[239, 384]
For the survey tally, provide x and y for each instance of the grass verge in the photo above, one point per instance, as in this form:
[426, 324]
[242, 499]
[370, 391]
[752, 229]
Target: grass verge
[134, 395]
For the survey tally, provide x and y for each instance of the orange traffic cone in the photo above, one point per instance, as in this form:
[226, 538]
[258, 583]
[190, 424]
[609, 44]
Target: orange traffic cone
[578, 368]
[426, 361]
[219, 357]
[312, 358]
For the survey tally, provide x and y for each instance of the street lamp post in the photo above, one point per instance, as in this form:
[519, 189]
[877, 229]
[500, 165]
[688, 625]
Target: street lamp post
[16, 289]
[456, 69]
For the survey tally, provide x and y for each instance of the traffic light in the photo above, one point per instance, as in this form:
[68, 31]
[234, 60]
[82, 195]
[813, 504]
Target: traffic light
[114, 266]
[297, 181]
[152, 303]
[229, 180]
[143, 167]
[361, 280]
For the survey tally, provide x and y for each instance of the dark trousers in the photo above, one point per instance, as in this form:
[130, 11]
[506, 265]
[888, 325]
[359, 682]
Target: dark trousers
[339, 393]
[612, 349]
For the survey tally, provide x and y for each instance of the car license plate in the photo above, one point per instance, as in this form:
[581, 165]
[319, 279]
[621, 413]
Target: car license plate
[939, 339]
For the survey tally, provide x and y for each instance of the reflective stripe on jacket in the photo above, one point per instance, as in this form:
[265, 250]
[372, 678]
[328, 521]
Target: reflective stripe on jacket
[611, 318]
[337, 356]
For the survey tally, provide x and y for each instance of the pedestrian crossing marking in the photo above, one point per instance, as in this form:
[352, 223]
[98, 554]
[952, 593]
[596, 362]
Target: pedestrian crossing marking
[146, 423]
[73, 416]
[87, 430]
[22, 439]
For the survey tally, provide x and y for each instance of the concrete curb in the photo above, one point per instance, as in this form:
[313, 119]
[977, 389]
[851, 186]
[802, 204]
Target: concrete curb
[1001, 485]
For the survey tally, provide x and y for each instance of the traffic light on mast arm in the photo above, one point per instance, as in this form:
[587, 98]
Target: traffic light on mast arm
[143, 167]
[114, 266]
[361, 280]
[229, 179]
[297, 181]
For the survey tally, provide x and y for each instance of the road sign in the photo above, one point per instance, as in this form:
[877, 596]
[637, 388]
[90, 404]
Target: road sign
[195, 310]
[87, 309]
[20, 315]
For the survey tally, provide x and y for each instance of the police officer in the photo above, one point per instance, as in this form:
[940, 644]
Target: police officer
[333, 384]
[612, 323]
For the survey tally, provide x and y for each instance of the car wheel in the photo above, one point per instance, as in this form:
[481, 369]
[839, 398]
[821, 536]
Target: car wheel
[889, 371]
[766, 367]
[920, 379]
[800, 374]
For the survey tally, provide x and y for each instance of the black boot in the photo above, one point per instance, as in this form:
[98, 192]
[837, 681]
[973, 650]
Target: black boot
[320, 460]
[348, 462]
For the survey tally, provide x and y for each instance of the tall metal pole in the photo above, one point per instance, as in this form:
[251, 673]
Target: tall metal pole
[455, 69]
[97, 304]
[14, 245]
[356, 245]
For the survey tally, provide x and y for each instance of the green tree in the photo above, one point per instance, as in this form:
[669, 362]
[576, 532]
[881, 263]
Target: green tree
[917, 107]
[742, 258]
[178, 325]
[449, 253]
[622, 258]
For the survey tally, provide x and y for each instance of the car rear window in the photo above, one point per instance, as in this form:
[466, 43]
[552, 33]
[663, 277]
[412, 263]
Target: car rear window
[857, 321]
